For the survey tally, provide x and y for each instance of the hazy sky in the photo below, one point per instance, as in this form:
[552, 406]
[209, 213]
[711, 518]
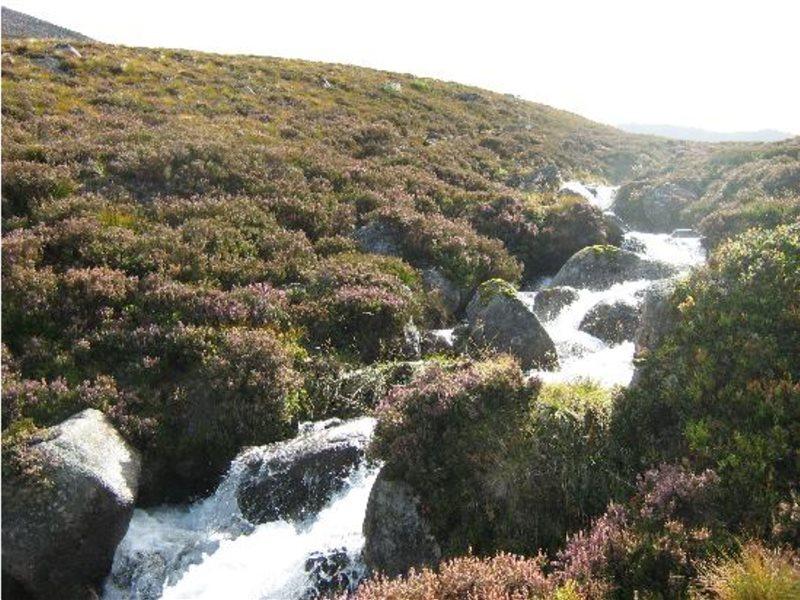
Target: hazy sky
[722, 65]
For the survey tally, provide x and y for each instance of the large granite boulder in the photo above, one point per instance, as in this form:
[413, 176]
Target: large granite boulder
[658, 315]
[654, 207]
[63, 518]
[600, 267]
[499, 320]
[296, 478]
[548, 303]
[611, 322]
[396, 535]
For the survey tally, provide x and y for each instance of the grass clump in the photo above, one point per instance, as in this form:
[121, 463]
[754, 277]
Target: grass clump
[756, 573]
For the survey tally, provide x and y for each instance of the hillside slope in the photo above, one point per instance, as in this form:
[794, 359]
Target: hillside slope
[190, 239]
[20, 25]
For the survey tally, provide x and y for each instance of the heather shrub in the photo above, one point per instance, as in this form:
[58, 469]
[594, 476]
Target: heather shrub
[757, 572]
[464, 256]
[652, 544]
[542, 231]
[26, 184]
[723, 389]
[447, 434]
[500, 464]
[562, 474]
[357, 303]
[202, 394]
[501, 577]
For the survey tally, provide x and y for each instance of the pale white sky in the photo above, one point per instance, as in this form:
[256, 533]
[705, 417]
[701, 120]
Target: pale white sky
[720, 65]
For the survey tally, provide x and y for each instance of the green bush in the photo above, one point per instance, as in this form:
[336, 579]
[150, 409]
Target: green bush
[447, 434]
[498, 463]
[723, 389]
[358, 303]
[464, 256]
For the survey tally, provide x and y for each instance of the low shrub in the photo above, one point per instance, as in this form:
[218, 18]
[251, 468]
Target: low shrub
[722, 390]
[504, 576]
[499, 463]
[652, 544]
[544, 230]
[358, 303]
[464, 256]
[447, 434]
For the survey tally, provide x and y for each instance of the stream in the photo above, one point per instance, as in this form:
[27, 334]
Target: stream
[209, 550]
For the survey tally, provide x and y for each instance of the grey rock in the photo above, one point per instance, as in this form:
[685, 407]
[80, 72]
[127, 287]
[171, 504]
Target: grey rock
[600, 267]
[546, 178]
[684, 233]
[449, 296]
[331, 572]
[550, 301]
[60, 529]
[296, 478]
[661, 205]
[436, 342]
[68, 49]
[658, 316]
[613, 323]
[633, 244]
[412, 341]
[505, 324]
[378, 238]
[396, 535]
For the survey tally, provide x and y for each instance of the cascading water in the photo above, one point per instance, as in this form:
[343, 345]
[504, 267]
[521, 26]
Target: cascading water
[211, 550]
[582, 355]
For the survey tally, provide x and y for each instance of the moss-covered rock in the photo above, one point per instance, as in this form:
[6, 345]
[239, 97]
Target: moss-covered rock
[600, 267]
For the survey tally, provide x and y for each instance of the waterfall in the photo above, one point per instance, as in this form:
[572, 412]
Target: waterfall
[210, 550]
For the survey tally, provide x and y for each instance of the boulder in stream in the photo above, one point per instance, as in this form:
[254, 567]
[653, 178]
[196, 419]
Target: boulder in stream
[549, 302]
[659, 316]
[499, 320]
[600, 267]
[611, 322]
[294, 479]
[396, 535]
[62, 523]
[377, 237]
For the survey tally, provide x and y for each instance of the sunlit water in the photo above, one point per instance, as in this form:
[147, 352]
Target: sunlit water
[582, 356]
[208, 550]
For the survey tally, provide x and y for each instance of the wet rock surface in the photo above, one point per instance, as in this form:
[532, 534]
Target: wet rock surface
[61, 526]
[502, 322]
[600, 267]
[612, 322]
[549, 302]
[296, 478]
[397, 536]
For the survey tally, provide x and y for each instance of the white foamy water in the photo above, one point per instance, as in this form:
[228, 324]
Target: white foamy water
[583, 356]
[270, 561]
[208, 550]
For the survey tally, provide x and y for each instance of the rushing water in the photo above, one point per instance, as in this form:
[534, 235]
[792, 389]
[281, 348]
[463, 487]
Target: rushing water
[208, 550]
[582, 355]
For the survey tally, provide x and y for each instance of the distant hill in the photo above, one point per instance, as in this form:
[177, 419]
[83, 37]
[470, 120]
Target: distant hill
[20, 25]
[703, 135]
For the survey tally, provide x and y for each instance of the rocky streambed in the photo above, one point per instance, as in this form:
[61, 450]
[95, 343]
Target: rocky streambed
[288, 520]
